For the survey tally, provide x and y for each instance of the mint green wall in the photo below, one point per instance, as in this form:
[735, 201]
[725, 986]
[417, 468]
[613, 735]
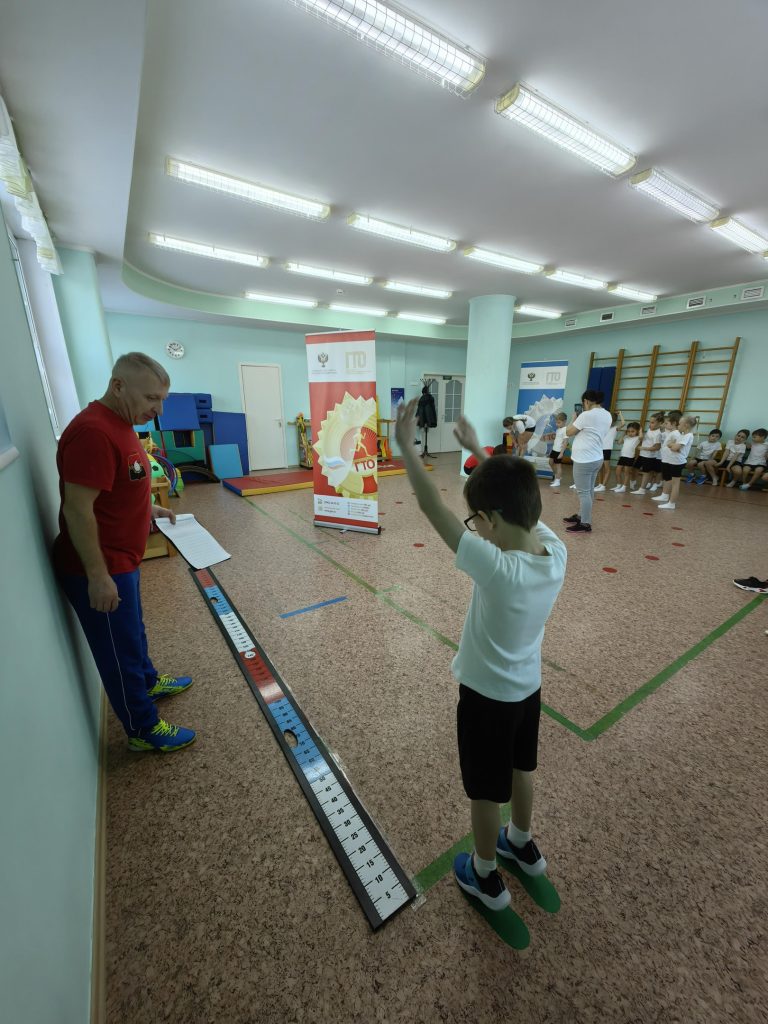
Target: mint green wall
[214, 352]
[48, 718]
[748, 396]
[82, 320]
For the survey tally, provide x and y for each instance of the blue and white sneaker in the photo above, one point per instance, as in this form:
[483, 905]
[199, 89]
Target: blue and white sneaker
[491, 891]
[528, 857]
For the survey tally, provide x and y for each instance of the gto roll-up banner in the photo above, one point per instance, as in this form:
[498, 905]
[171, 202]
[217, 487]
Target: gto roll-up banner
[542, 388]
[342, 398]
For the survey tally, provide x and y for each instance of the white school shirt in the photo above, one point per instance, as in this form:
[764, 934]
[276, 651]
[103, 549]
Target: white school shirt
[680, 457]
[523, 423]
[629, 447]
[734, 451]
[499, 652]
[708, 448]
[757, 454]
[666, 453]
[609, 437]
[587, 445]
[663, 441]
[651, 437]
[560, 442]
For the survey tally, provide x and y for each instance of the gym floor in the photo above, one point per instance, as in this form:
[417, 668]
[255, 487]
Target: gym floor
[225, 904]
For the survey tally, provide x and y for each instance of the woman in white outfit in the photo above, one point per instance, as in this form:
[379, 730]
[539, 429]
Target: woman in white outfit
[587, 430]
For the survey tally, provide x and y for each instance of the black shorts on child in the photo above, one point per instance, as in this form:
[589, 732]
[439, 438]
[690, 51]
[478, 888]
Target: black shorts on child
[556, 456]
[607, 453]
[626, 460]
[670, 472]
[495, 737]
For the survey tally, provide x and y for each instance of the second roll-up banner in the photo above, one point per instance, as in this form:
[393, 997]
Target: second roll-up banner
[342, 396]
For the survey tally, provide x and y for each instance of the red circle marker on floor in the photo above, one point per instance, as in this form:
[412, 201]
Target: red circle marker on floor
[675, 544]
[398, 503]
[626, 506]
[607, 568]
[652, 558]
[418, 545]
[647, 513]
[599, 499]
[678, 528]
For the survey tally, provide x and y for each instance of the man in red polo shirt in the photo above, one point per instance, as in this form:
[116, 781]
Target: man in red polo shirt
[106, 511]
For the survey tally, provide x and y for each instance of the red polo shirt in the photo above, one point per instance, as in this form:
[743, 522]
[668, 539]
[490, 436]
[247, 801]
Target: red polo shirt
[100, 450]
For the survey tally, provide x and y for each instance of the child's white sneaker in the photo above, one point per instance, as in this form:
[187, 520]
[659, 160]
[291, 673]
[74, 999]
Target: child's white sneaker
[654, 487]
[600, 487]
[669, 505]
[572, 487]
[555, 483]
[633, 485]
[731, 484]
[619, 489]
[659, 497]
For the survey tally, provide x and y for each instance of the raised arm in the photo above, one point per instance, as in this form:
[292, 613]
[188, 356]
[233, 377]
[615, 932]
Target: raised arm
[448, 525]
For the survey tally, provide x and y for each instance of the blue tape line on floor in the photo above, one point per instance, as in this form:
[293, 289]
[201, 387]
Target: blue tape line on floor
[311, 607]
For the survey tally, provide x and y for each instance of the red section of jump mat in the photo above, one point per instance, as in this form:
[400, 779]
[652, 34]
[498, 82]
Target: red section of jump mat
[295, 479]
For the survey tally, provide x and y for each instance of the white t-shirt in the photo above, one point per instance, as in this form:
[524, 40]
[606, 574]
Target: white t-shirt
[629, 447]
[734, 451]
[499, 652]
[523, 423]
[609, 437]
[678, 458]
[708, 448]
[561, 440]
[587, 445]
[651, 438]
[757, 454]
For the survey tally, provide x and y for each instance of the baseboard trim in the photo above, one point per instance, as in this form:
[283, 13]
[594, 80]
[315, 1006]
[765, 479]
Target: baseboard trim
[98, 943]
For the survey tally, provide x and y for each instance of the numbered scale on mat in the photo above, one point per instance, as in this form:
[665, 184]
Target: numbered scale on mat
[377, 879]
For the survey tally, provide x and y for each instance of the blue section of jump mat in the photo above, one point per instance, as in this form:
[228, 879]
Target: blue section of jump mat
[312, 607]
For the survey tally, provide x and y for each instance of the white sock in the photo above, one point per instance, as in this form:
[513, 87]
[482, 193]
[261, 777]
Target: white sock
[516, 836]
[483, 868]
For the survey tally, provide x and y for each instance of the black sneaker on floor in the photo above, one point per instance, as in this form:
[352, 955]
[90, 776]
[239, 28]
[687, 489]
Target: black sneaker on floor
[579, 528]
[753, 584]
[572, 519]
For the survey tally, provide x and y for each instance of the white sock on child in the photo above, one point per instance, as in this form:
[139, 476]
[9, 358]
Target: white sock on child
[516, 836]
[483, 868]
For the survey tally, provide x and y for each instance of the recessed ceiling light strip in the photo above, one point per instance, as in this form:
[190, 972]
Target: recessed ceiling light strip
[282, 300]
[400, 233]
[418, 289]
[499, 259]
[672, 193]
[580, 280]
[341, 307]
[632, 293]
[399, 35]
[528, 108]
[548, 314]
[330, 275]
[421, 318]
[248, 190]
[740, 234]
[211, 252]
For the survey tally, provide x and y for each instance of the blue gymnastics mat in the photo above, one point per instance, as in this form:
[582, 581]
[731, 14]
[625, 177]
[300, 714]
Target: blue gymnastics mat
[225, 460]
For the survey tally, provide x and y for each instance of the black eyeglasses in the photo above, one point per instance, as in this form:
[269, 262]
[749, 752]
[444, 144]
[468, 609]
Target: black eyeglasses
[468, 522]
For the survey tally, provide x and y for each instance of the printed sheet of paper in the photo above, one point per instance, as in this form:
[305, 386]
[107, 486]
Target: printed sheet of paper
[193, 541]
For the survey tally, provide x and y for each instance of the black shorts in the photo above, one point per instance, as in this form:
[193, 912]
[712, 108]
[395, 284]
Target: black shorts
[646, 464]
[556, 456]
[670, 472]
[495, 737]
[607, 453]
[625, 460]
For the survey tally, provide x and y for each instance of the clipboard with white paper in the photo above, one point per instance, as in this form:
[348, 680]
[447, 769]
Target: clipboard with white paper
[192, 541]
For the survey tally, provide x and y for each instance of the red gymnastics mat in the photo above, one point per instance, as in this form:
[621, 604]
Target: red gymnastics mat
[294, 479]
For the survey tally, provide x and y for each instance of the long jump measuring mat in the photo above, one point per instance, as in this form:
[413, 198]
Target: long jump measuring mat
[376, 877]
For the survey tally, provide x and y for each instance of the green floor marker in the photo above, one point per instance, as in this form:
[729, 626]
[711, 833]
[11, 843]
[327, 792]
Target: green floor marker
[508, 926]
[540, 889]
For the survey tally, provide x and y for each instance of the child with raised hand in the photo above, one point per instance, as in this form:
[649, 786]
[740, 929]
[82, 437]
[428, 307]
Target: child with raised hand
[705, 452]
[517, 565]
[650, 453]
[559, 445]
[625, 468]
[754, 463]
[674, 454]
[735, 453]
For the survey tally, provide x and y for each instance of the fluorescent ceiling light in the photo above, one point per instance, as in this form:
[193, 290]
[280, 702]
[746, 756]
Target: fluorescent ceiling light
[212, 252]
[248, 190]
[522, 104]
[567, 277]
[399, 233]
[418, 289]
[740, 234]
[548, 314]
[369, 310]
[632, 293]
[671, 193]
[410, 42]
[422, 318]
[282, 300]
[499, 259]
[331, 275]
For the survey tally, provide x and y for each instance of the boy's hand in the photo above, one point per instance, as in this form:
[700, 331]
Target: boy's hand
[466, 434]
[405, 427]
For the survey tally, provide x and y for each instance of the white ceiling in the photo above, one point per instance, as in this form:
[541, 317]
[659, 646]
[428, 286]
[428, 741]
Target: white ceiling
[262, 90]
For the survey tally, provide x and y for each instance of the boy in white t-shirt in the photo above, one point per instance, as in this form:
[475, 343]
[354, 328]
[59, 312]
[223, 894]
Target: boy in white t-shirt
[559, 445]
[754, 463]
[734, 455]
[705, 451]
[650, 454]
[625, 467]
[674, 454]
[517, 565]
[609, 439]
